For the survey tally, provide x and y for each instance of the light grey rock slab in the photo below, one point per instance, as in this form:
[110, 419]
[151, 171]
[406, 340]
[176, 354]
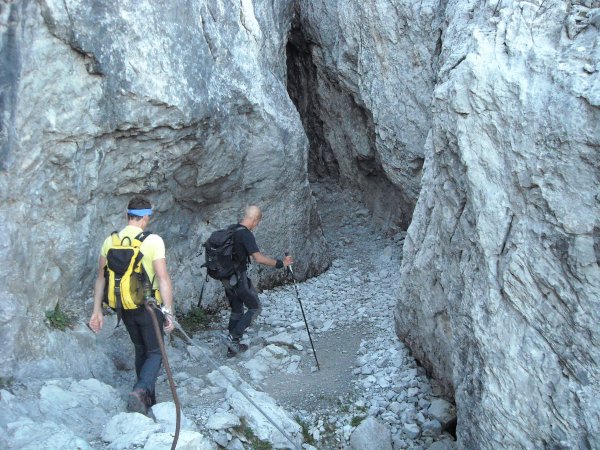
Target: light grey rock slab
[220, 438]
[80, 405]
[27, 434]
[237, 394]
[371, 433]
[411, 430]
[165, 415]
[441, 410]
[187, 440]
[235, 444]
[222, 421]
[266, 359]
[126, 430]
[255, 417]
[432, 427]
[281, 339]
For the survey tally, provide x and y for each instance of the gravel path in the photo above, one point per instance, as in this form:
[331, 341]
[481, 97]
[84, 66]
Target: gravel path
[364, 368]
[368, 388]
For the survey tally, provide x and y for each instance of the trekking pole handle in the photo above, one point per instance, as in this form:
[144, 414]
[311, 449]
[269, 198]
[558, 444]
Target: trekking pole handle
[288, 267]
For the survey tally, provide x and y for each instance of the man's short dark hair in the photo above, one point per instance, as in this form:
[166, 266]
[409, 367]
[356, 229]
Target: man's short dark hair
[138, 202]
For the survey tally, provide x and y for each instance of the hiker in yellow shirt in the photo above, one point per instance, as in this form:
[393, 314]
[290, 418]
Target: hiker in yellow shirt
[138, 321]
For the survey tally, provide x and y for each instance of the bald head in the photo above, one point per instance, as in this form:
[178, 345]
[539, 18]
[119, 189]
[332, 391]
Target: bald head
[252, 212]
[252, 216]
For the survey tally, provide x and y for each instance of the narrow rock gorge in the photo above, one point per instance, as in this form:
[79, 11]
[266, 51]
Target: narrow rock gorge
[473, 126]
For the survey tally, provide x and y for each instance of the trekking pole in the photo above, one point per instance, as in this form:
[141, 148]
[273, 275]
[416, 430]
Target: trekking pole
[202, 291]
[151, 306]
[291, 271]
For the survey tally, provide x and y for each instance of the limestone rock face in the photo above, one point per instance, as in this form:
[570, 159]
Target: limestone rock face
[362, 75]
[486, 112]
[500, 276]
[184, 102]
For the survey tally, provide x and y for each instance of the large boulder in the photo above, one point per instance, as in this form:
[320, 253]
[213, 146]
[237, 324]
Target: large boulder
[371, 433]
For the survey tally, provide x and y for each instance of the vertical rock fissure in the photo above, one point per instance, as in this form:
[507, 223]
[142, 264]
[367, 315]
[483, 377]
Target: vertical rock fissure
[301, 80]
[341, 131]
[10, 62]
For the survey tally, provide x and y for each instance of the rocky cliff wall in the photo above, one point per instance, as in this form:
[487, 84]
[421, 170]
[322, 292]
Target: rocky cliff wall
[185, 102]
[362, 75]
[495, 104]
[501, 277]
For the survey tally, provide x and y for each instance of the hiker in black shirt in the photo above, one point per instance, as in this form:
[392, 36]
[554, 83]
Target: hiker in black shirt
[238, 288]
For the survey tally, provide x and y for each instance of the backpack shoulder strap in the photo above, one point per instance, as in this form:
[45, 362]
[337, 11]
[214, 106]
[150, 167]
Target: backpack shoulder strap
[143, 235]
[115, 238]
[237, 227]
[127, 241]
[137, 241]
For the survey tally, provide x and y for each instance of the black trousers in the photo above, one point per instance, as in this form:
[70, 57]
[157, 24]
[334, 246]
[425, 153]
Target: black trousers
[148, 358]
[241, 294]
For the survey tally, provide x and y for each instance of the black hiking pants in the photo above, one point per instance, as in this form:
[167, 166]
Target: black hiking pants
[148, 358]
[240, 293]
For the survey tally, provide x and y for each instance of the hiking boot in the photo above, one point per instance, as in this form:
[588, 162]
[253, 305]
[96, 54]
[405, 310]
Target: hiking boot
[137, 401]
[231, 353]
[151, 399]
[234, 346]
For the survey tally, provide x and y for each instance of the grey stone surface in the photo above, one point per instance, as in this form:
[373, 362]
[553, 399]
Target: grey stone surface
[362, 75]
[371, 433]
[188, 440]
[242, 399]
[222, 421]
[25, 434]
[442, 411]
[165, 414]
[411, 430]
[79, 405]
[500, 274]
[447, 444]
[129, 430]
[185, 102]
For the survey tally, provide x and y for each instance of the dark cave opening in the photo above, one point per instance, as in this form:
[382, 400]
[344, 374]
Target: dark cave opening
[341, 133]
[301, 80]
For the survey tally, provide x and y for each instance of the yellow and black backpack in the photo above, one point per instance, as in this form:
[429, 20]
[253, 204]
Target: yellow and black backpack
[125, 277]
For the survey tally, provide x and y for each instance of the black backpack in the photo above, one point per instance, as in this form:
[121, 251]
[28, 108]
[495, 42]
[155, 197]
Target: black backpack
[220, 261]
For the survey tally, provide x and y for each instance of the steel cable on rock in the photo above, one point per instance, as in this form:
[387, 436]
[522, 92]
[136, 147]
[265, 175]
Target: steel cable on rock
[237, 387]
